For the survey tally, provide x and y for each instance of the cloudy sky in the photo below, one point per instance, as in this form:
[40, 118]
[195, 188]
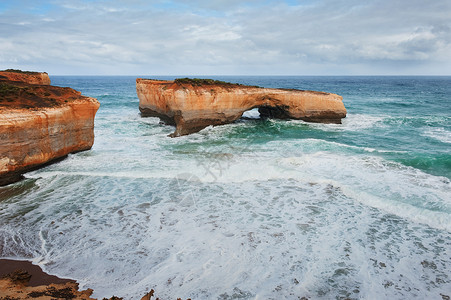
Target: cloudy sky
[227, 37]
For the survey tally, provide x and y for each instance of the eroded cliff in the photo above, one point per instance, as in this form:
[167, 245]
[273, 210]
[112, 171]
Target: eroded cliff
[193, 104]
[40, 123]
[25, 76]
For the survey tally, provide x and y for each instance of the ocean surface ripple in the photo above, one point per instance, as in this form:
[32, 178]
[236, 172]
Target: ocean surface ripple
[257, 209]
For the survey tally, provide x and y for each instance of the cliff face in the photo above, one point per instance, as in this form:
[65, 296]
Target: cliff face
[27, 77]
[194, 105]
[40, 123]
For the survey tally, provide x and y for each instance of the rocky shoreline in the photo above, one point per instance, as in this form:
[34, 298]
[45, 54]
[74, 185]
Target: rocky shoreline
[23, 280]
[41, 124]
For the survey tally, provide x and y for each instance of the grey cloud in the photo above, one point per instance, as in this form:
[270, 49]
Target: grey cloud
[242, 37]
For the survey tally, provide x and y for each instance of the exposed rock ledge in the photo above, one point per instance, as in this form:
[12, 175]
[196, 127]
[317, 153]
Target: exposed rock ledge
[25, 76]
[40, 123]
[23, 280]
[193, 104]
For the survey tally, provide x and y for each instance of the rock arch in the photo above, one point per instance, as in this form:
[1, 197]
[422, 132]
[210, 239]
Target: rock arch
[193, 104]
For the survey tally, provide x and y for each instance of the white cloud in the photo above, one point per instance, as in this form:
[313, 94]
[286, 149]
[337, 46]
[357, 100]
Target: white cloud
[225, 37]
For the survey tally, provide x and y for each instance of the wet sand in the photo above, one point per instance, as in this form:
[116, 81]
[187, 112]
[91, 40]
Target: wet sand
[38, 277]
[33, 282]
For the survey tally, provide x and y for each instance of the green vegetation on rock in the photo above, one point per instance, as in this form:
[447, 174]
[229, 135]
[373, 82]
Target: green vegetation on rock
[15, 94]
[19, 71]
[201, 81]
[8, 89]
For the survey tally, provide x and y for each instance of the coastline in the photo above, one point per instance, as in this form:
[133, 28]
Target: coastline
[320, 178]
[21, 279]
[38, 276]
[40, 123]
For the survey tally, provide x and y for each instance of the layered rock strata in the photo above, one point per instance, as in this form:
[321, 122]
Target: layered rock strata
[193, 104]
[24, 76]
[40, 123]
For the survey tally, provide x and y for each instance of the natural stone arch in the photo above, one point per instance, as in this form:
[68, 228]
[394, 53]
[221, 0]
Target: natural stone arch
[192, 105]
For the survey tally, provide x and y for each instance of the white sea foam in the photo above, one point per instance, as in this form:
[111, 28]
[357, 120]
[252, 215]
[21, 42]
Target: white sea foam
[312, 145]
[297, 232]
[352, 122]
[219, 215]
[440, 134]
[420, 195]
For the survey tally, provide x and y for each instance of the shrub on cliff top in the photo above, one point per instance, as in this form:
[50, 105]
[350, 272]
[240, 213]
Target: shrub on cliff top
[201, 81]
[19, 71]
[8, 89]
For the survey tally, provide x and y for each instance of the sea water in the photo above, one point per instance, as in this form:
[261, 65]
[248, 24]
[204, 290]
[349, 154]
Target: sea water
[257, 209]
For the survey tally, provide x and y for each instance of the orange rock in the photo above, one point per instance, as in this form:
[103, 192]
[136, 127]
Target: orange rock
[192, 105]
[11, 290]
[25, 76]
[15, 285]
[41, 123]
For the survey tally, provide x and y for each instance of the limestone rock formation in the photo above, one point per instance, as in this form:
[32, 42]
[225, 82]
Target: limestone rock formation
[193, 104]
[40, 123]
[25, 76]
[15, 285]
[23, 280]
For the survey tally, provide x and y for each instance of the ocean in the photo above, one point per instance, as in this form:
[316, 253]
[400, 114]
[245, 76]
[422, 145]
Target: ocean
[257, 209]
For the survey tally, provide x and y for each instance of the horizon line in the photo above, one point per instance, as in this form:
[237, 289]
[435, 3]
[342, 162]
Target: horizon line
[263, 75]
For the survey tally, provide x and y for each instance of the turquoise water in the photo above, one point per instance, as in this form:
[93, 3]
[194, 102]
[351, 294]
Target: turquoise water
[255, 209]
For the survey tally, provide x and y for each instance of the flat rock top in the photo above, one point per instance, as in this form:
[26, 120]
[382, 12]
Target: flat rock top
[25, 76]
[197, 84]
[22, 95]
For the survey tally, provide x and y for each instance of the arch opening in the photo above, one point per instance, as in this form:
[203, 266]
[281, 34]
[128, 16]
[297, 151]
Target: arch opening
[273, 112]
[266, 112]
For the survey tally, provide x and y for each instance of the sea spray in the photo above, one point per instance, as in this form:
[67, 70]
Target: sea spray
[255, 209]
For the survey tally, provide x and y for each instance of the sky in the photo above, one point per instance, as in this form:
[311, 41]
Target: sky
[234, 37]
